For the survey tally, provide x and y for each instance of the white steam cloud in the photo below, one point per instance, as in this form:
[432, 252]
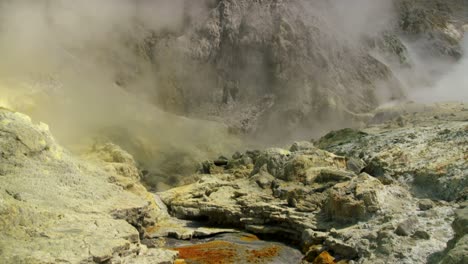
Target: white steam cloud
[83, 68]
[452, 85]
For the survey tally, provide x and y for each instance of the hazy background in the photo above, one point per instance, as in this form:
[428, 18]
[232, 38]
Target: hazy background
[81, 67]
[451, 83]
[84, 67]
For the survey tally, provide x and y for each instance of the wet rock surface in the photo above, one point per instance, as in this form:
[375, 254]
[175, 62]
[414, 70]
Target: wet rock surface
[234, 248]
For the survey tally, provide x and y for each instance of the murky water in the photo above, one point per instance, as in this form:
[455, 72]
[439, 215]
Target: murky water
[234, 248]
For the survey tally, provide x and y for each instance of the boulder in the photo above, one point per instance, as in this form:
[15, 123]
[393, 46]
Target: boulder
[353, 200]
[301, 146]
[425, 204]
[407, 227]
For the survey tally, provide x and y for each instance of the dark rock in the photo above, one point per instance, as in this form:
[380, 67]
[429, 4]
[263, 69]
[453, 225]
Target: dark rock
[339, 137]
[253, 154]
[385, 180]
[329, 175]
[355, 165]
[376, 167]
[407, 227]
[263, 179]
[301, 146]
[313, 252]
[221, 162]
[425, 204]
[420, 234]
[205, 167]
[460, 224]
[236, 155]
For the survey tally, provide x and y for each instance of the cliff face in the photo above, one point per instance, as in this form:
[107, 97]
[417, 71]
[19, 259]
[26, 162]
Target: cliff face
[261, 63]
[436, 22]
[250, 64]
[277, 61]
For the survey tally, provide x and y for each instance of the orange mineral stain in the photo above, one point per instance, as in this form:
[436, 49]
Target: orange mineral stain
[324, 258]
[249, 238]
[215, 252]
[262, 255]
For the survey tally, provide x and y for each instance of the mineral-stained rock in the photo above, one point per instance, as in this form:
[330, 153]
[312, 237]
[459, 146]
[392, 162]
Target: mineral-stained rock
[315, 198]
[58, 208]
[354, 200]
[234, 248]
[429, 154]
[324, 258]
[313, 252]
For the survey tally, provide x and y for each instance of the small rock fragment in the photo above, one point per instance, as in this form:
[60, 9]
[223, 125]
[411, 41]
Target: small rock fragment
[324, 258]
[301, 146]
[313, 252]
[425, 204]
[355, 165]
[376, 167]
[421, 234]
[406, 227]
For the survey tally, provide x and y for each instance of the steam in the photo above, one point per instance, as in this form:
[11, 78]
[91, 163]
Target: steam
[81, 67]
[451, 86]
[362, 18]
[86, 68]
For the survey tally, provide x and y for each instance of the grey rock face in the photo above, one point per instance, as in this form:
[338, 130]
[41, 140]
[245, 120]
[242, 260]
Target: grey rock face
[273, 62]
[436, 22]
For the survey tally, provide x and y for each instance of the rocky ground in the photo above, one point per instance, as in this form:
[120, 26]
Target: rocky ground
[392, 192]
[56, 208]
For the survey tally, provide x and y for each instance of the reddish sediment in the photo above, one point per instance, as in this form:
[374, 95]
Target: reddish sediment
[220, 252]
[262, 255]
[215, 252]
